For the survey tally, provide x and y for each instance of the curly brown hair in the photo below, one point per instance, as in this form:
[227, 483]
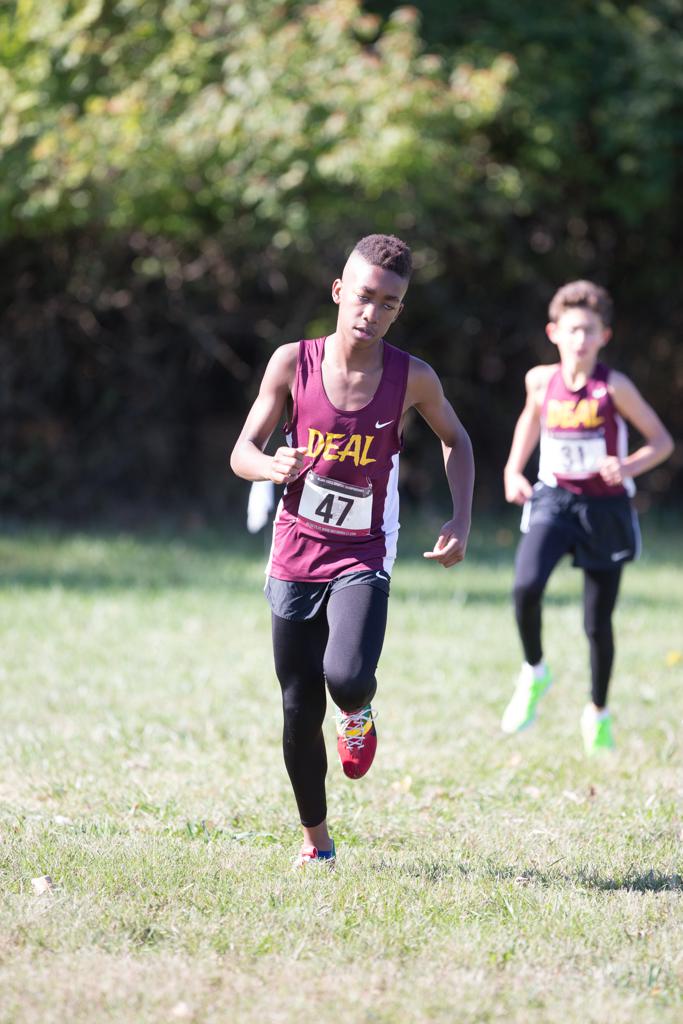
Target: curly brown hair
[581, 295]
[387, 252]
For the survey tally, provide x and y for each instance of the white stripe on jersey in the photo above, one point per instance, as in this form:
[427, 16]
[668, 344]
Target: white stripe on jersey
[622, 450]
[278, 512]
[390, 523]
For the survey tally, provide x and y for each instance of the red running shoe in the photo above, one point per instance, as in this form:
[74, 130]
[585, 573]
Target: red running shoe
[312, 855]
[356, 740]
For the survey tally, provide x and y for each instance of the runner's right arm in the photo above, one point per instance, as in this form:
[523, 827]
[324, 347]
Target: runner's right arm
[526, 436]
[248, 460]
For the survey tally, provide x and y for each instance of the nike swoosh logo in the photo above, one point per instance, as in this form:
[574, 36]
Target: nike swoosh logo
[618, 555]
[378, 425]
[381, 574]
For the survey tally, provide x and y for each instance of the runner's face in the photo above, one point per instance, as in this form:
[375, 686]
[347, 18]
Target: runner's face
[579, 335]
[369, 300]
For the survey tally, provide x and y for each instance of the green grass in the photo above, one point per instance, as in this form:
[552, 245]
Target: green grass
[479, 879]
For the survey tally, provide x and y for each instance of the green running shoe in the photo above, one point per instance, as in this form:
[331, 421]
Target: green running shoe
[521, 711]
[596, 732]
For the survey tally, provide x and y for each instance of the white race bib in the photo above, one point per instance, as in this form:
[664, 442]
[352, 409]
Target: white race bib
[572, 455]
[334, 507]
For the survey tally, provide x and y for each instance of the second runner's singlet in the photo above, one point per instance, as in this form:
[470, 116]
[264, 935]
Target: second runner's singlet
[578, 430]
[341, 514]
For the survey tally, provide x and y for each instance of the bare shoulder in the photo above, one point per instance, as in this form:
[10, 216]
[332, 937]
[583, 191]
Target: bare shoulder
[281, 367]
[419, 368]
[286, 355]
[618, 383]
[625, 395]
[630, 404]
[537, 379]
[539, 376]
[422, 382]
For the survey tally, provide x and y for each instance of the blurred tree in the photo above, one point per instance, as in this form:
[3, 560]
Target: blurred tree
[180, 180]
[268, 125]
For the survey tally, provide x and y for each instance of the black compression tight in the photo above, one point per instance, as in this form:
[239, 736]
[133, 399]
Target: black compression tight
[340, 647]
[539, 552]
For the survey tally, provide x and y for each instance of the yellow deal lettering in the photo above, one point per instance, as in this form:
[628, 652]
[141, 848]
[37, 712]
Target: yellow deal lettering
[365, 458]
[338, 447]
[565, 413]
[316, 443]
[330, 447]
[352, 450]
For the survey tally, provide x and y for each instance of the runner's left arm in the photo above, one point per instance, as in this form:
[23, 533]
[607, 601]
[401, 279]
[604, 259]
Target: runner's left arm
[658, 441]
[425, 393]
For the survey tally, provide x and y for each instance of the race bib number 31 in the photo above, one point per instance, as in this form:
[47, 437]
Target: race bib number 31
[334, 507]
[573, 456]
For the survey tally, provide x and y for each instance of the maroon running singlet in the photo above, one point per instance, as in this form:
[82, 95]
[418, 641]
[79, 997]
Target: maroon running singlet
[341, 514]
[578, 430]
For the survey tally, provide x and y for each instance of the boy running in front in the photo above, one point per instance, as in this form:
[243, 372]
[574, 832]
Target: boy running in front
[335, 531]
[581, 504]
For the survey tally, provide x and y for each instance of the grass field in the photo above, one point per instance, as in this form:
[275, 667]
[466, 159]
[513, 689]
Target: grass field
[479, 879]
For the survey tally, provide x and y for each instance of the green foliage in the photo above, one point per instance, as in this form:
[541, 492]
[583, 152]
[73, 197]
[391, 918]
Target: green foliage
[591, 120]
[252, 120]
[180, 181]
[257, 121]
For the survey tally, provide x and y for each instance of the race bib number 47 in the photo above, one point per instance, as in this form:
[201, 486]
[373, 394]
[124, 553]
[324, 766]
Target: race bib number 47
[334, 507]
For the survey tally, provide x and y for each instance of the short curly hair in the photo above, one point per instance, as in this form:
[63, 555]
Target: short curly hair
[581, 295]
[387, 252]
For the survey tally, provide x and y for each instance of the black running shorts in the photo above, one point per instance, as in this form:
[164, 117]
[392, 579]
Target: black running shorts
[602, 533]
[300, 602]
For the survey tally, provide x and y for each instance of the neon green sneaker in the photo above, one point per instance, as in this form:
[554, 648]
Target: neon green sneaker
[596, 732]
[521, 711]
